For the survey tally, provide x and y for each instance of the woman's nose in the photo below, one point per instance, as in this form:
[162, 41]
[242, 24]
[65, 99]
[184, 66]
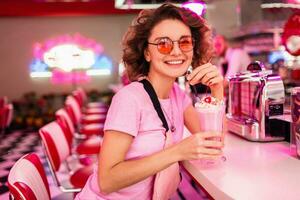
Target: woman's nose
[176, 49]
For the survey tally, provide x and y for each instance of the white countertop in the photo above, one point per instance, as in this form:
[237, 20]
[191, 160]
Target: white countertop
[254, 171]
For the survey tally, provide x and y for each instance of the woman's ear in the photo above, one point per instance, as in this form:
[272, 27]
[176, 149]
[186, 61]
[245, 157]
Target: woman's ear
[147, 55]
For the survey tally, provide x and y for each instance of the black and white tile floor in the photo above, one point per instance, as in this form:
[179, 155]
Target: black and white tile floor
[16, 144]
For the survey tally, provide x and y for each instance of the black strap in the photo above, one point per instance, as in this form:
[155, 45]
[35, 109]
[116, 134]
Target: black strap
[151, 92]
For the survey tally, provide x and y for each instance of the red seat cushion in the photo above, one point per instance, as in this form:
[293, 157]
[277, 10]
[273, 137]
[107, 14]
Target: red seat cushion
[95, 112]
[96, 105]
[87, 160]
[92, 129]
[91, 111]
[89, 146]
[79, 178]
[91, 119]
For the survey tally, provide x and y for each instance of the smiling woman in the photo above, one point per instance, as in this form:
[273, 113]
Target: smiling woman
[144, 125]
[137, 35]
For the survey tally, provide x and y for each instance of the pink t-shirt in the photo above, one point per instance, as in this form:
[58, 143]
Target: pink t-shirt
[132, 112]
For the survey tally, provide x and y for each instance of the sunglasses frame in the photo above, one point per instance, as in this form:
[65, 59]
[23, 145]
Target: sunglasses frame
[173, 41]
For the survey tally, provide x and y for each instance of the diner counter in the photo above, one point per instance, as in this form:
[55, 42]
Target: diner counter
[252, 170]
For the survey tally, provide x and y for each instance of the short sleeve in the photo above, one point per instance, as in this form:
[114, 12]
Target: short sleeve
[123, 114]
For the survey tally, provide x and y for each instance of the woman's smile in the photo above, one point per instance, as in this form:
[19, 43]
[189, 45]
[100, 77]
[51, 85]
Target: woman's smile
[175, 63]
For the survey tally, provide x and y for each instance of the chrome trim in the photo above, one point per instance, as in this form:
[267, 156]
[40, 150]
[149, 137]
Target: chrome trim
[255, 96]
[248, 130]
[54, 176]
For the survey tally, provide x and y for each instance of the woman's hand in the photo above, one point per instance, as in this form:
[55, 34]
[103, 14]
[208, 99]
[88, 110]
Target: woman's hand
[209, 75]
[200, 145]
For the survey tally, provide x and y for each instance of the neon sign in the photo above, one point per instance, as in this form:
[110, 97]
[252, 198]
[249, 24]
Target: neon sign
[69, 59]
[198, 8]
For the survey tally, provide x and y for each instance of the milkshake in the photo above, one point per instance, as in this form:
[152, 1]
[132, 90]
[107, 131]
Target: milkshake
[211, 113]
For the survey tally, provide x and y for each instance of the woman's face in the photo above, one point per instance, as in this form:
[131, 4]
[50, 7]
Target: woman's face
[174, 63]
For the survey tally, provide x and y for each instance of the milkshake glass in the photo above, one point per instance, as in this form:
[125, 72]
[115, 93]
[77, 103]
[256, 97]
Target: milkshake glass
[211, 114]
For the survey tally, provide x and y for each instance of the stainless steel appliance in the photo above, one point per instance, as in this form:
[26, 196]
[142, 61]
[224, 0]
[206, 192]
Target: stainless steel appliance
[256, 99]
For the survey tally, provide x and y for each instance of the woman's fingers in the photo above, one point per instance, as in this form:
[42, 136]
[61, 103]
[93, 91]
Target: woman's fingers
[213, 144]
[209, 76]
[209, 157]
[206, 74]
[209, 151]
[202, 145]
[208, 134]
[215, 80]
[196, 71]
[209, 140]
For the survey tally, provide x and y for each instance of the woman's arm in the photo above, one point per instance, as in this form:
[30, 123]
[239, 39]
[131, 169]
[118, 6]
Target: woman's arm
[116, 173]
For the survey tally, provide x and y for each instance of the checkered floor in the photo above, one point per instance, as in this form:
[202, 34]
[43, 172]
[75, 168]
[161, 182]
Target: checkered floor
[18, 143]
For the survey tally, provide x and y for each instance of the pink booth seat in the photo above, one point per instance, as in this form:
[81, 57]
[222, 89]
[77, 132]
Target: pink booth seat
[95, 111]
[57, 151]
[10, 112]
[27, 179]
[78, 118]
[80, 94]
[6, 116]
[82, 99]
[85, 150]
[93, 119]
[3, 116]
[84, 147]
[96, 105]
[100, 108]
[90, 146]
[85, 131]
[92, 129]
[3, 101]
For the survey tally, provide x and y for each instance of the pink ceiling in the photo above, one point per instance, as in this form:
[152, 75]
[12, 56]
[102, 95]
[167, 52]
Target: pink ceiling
[59, 8]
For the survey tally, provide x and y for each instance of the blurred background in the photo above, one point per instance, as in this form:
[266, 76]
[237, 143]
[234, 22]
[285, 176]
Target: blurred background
[57, 56]
[48, 48]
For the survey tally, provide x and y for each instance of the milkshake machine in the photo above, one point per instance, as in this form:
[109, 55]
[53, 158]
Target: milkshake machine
[256, 99]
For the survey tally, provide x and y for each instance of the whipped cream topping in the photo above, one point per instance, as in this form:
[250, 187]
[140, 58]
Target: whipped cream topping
[209, 102]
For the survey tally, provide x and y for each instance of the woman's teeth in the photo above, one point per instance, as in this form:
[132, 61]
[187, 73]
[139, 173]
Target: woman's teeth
[174, 62]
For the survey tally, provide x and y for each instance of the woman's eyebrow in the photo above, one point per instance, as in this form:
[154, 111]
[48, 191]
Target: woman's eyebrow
[166, 37]
[163, 37]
